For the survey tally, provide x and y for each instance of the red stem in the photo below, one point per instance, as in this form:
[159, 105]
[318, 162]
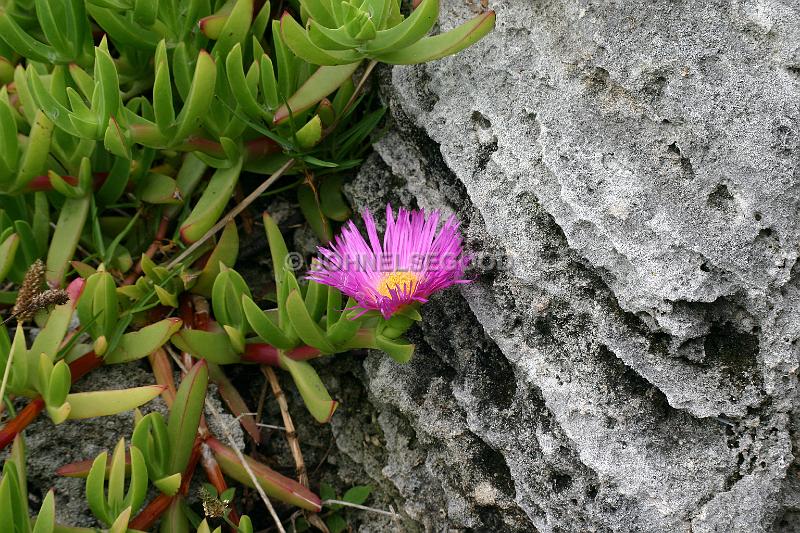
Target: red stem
[266, 354]
[158, 505]
[78, 368]
[42, 183]
[161, 233]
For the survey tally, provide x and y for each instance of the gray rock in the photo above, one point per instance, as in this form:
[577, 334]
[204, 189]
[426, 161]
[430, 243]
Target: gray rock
[628, 174]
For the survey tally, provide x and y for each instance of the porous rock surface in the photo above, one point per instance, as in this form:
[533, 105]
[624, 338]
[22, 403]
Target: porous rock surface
[628, 174]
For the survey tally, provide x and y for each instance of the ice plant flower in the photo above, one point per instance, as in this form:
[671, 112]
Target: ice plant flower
[413, 261]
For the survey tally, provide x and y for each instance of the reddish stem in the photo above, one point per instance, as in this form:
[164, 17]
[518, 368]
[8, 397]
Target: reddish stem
[254, 149]
[14, 426]
[266, 354]
[42, 183]
[201, 318]
[161, 233]
[78, 368]
[158, 505]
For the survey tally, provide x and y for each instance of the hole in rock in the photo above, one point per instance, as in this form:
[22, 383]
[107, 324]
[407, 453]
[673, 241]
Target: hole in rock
[721, 198]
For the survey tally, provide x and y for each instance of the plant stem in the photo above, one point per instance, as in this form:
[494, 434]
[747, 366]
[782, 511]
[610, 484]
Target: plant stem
[158, 505]
[78, 368]
[161, 233]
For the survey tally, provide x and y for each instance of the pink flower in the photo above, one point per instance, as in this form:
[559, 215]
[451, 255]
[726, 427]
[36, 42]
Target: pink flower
[413, 262]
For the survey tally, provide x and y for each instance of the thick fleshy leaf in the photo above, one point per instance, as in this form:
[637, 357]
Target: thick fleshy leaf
[23, 43]
[274, 484]
[316, 300]
[211, 26]
[45, 520]
[331, 200]
[95, 489]
[305, 326]
[159, 189]
[199, 98]
[168, 485]
[65, 238]
[215, 346]
[312, 211]
[137, 490]
[139, 344]
[34, 159]
[264, 327]
[310, 134]
[315, 396]
[106, 98]
[398, 349]
[163, 107]
[9, 145]
[120, 525]
[239, 86]
[297, 39]
[226, 298]
[110, 402]
[323, 82]
[59, 385]
[445, 44]
[185, 415]
[122, 30]
[235, 28]
[411, 30]
[211, 204]
[225, 252]
[269, 85]
[8, 253]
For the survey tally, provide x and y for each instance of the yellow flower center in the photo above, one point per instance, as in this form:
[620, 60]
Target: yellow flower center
[397, 281]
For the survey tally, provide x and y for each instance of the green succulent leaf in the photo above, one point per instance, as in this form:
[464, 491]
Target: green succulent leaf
[174, 519]
[8, 251]
[198, 99]
[184, 417]
[315, 396]
[323, 82]
[411, 30]
[110, 402]
[305, 326]
[235, 28]
[215, 346]
[45, 520]
[239, 85]
[23, 43]
[226, 297]
[139, 344]
[312, 211]
[225, 252]
[297, 39]
[65, 239]
[398, 349]
[211, 204]
[274, 484]
[263, 326]
[445, 44]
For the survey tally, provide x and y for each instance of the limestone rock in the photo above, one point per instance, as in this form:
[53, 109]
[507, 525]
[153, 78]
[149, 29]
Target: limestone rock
[628, 175]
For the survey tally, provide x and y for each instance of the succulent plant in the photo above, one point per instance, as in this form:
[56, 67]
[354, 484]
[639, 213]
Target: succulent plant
[127, 127]
[341, 32]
